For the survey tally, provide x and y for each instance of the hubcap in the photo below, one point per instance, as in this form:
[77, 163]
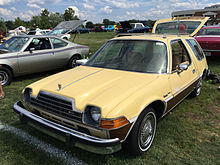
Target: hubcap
[3, 77]
[74, 62]
[198, 90]
[147, 131]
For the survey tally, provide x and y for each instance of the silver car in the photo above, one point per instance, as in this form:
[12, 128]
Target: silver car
[22, 55]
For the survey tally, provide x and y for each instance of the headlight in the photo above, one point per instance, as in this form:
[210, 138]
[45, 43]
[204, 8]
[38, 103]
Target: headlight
[27, 95]
[95, 113]
[92, 116]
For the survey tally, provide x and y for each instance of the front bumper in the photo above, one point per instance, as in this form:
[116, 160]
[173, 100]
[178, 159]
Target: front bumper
[69, 136]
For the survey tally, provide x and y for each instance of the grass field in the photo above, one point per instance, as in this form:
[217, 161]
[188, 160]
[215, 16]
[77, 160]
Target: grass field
[190, 134]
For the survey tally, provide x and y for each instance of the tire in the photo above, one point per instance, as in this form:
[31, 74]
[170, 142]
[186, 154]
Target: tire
[5, 76]
[65, 38]
[196, 92]
[72, 62]
[143, 132]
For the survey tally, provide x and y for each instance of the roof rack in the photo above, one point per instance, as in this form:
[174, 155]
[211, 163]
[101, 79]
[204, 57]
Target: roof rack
[187, 17]
[131, 34]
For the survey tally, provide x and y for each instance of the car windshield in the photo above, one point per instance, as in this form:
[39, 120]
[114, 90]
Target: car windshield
[58, 31]
[177, 27]
[14, 44]
[209, 31]
[145, 56]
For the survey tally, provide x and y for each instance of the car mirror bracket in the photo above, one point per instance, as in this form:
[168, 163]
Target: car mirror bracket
[31, 49]
[182, 67]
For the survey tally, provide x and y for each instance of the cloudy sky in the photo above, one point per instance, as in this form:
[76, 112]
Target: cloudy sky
[97, 10]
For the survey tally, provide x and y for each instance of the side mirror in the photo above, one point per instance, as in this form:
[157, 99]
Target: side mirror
[182, 67]
[31, 49]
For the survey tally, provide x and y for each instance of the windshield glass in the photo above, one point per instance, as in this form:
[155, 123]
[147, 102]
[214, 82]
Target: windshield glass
[209, 31]
[14, 44]
[145, 56]
[58, 31]
[177, 27]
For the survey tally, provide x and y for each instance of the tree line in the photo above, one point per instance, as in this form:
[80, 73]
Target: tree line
[47, 20]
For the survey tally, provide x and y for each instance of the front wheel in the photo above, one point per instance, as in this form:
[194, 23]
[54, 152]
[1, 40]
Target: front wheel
[143, 132]
[5, 76]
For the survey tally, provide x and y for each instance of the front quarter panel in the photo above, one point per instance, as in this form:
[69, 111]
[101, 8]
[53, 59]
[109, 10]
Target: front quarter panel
[11, 60]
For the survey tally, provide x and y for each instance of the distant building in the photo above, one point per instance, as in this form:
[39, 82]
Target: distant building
[211, 11]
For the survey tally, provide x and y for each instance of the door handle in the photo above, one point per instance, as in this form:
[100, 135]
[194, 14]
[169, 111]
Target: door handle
[193, 71]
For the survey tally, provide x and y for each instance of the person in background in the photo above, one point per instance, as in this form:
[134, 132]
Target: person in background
[2, 94]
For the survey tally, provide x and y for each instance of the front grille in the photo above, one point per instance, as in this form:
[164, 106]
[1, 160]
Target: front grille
[56, 105]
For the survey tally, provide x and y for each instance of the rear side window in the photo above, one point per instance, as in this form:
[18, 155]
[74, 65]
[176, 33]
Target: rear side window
[57, 43]
[196, 49]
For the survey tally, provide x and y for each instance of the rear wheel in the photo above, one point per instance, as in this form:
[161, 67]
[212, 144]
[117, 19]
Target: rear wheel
[196, 92]
[5, 76]
[142, 134]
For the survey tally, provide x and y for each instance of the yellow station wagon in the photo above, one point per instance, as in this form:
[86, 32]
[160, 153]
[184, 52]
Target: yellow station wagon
[120, 93]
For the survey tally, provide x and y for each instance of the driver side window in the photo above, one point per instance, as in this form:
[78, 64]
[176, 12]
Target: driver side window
[39, 44]
[179, 54]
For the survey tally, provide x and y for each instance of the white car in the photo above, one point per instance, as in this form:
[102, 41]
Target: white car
[64, 28]
[39, 32]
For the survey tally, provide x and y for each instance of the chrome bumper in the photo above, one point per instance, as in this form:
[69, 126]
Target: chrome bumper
[70, 136]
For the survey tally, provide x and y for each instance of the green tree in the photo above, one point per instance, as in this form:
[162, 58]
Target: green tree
[107, 22]
[18, 22]
[69, 15]
[89, 24]
[3, 26]
[35, 20]
[150, 23]
[44, 16]
[9, 24]
[55, 19]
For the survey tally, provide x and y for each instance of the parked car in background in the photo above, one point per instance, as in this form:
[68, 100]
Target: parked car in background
[209, 39]
[119, 94]
[12, 33]
[39, 32]
[99, 29]
[64, 28]
[110, 28]
[133, 28]
[22, 55]
[82, 30]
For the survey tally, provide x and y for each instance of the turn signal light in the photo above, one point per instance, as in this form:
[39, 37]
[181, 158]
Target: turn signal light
[114, 123]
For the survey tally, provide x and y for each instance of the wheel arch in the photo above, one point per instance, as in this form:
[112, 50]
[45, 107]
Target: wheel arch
[205, 73]
[76, 54]
[159, 107]
[8, 67]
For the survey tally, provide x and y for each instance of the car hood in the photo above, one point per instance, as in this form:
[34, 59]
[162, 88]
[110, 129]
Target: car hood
[68, 26]
[105, 88]
[172, 25]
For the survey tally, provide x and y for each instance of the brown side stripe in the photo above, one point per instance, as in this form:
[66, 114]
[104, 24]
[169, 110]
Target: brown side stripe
[174, 101]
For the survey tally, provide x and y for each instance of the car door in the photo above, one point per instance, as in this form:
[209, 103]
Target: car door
[62, 52]
[37, 57]
[182, 82]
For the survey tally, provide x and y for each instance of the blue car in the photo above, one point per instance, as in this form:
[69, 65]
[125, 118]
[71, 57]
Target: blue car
[110, 28]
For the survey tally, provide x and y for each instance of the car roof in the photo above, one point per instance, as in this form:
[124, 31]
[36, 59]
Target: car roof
[159, 37]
